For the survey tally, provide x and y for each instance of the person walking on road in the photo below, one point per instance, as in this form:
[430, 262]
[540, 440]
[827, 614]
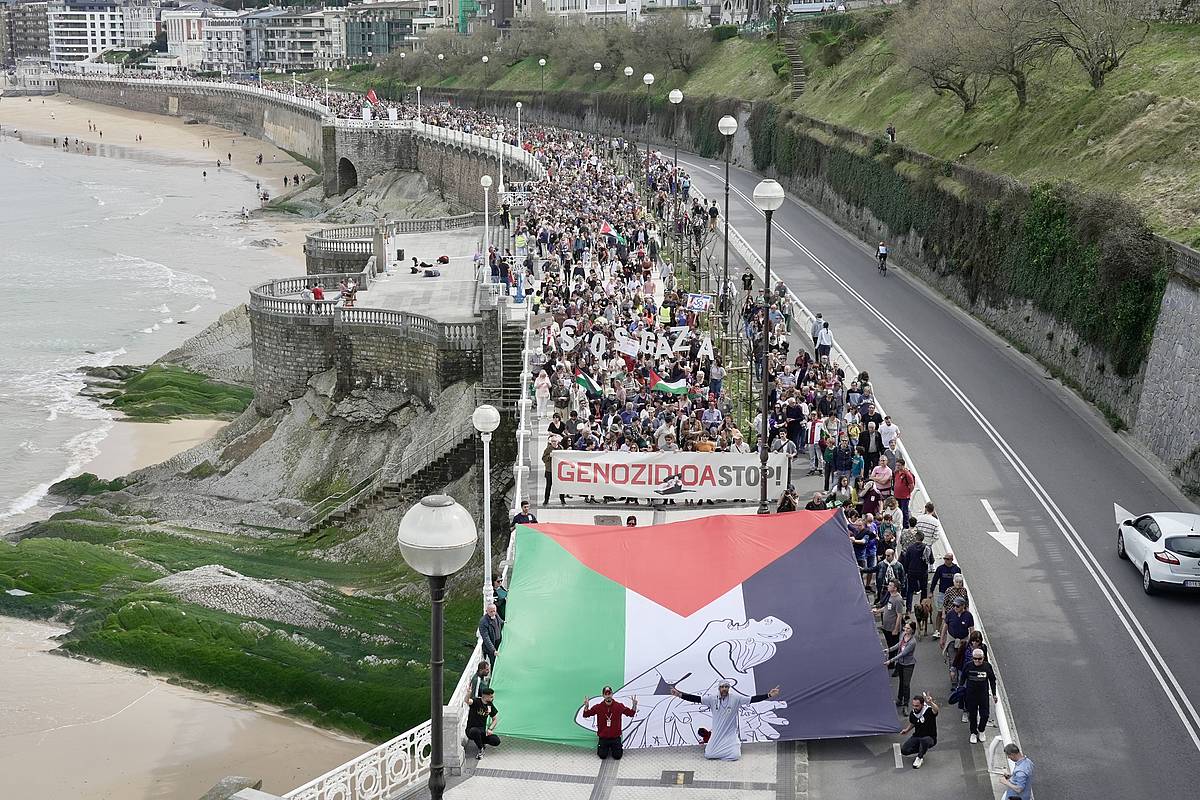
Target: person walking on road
[978, 679]
[916, 561]
[904, 662]
[814, 330]
[943, 579]
[922, 724]
[891, 615]
[608, 713]
[1019, 785]
[824, 343]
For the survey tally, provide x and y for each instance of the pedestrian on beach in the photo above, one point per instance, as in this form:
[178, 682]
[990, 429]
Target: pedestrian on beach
[608, 713]
[205, 174]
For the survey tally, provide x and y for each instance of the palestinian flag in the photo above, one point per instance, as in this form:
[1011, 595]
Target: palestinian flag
[657, 384]
[585, 380]
[760, 601]
[372, 98]
[607, 230]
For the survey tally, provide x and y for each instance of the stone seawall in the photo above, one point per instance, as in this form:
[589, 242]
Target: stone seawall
[277, 121]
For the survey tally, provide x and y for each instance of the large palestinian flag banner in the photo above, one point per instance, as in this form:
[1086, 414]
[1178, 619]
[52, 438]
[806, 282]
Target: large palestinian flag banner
[759, 601]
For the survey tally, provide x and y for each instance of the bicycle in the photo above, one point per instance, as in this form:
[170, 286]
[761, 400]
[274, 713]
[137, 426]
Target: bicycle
[882, 258]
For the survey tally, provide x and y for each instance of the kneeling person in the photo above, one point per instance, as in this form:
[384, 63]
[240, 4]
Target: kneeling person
[482, 718]
[608, 714]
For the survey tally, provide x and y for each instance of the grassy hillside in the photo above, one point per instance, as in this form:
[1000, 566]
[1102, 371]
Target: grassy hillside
[737, 68]
[1139, 135]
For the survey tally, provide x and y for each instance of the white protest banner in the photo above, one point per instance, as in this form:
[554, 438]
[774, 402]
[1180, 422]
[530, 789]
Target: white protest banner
[699, 302]
[666, 476]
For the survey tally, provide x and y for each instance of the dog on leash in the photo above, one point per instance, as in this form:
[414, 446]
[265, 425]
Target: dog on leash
[923, 611]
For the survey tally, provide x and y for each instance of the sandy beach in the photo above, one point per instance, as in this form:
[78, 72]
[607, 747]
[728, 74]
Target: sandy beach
[165, 138]
[61, 115]
[103, 732]
[131, 446]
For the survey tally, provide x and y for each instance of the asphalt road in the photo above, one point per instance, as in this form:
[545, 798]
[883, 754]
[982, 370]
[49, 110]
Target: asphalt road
[1100, 678]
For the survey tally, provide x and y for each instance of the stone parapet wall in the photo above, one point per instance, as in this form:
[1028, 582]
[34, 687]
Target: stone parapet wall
[285, 124]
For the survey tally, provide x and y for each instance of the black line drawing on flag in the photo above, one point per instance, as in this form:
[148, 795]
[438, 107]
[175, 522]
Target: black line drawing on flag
[725, 650]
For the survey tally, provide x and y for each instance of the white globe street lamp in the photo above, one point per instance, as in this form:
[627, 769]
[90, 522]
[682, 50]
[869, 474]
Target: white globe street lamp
[768, 196]
[728, 127]
[437, 538]
[486, 183]
[486, 419]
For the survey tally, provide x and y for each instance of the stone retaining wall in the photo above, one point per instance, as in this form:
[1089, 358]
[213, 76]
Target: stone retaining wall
[277, 121]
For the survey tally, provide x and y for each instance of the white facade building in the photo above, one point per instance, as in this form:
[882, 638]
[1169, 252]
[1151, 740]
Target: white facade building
[594, 11]
[81, 29]
[141, 22]
[185, 30]
[224, 45]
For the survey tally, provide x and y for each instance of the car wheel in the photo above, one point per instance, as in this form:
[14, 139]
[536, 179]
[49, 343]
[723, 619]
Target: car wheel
[1148, 586]
[1121, 547]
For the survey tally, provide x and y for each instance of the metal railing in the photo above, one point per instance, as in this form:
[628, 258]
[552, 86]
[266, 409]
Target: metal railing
[396, 765]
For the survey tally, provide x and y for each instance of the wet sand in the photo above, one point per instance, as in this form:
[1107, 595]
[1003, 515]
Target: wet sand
[60, 115]
[102, 732]
[131, 446]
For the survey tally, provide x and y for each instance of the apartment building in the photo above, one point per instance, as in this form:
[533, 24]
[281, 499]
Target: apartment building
[185, 25]
[225, 44]
[141, 22]
[26, 32]
[81, 29]
[601, 11]
[375, 29]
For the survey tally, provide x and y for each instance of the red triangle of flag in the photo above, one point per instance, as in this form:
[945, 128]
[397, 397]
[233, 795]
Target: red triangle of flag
[374, 100]
[686, 565]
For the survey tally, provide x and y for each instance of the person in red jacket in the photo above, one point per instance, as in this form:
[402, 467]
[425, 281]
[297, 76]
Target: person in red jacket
[608, 713]
[904, 482]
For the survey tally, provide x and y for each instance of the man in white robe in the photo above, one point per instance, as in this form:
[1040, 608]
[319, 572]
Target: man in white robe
[725, 742]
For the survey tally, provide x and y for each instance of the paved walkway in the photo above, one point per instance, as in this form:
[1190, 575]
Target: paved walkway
[450, 298]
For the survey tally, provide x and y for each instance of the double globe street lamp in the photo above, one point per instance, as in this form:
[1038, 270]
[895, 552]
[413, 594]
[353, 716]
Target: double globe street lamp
[728, 127]
[768, 196]
[437, 539]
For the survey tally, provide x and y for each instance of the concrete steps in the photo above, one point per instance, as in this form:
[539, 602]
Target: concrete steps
[799, 70]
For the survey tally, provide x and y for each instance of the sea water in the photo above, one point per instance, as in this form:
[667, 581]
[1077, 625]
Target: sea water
[103, 261]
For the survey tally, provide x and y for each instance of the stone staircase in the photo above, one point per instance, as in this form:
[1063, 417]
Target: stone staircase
[792, 34]
[512, 345]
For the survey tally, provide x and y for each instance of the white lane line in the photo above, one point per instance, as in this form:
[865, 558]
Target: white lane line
[896, 753]
[1133, 626]
[1006, 538]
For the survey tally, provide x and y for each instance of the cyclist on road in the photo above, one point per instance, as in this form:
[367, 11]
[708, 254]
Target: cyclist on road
[882, 254]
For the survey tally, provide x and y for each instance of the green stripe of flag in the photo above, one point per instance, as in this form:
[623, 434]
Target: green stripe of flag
[564, 638]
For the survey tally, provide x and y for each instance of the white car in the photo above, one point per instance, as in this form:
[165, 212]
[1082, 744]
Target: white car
[1163, 546]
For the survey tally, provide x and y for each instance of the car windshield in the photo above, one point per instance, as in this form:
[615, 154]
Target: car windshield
[1184, 545]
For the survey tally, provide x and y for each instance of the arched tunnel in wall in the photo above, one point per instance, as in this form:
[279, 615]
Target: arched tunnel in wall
[347, 175]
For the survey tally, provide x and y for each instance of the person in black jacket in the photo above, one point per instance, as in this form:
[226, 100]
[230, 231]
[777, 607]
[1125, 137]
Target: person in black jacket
[872, 444]
[979, 679]
[916, 559]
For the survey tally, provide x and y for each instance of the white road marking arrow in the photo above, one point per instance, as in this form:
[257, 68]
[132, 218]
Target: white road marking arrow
[1007, 539]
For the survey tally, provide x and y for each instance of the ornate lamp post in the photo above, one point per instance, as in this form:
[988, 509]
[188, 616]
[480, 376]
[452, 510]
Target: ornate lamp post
[486, 419]
[437, 538]
[486, 183]
[596, 104]
[676, 98]
[728, 127]
[648, 79]
[768, 196]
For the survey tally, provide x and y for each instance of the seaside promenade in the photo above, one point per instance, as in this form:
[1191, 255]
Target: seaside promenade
[785, 770]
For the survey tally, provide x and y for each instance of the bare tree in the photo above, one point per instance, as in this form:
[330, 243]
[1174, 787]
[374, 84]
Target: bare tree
[935, 42]
[1010, 39]
[675, 40]
[1098, 33]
